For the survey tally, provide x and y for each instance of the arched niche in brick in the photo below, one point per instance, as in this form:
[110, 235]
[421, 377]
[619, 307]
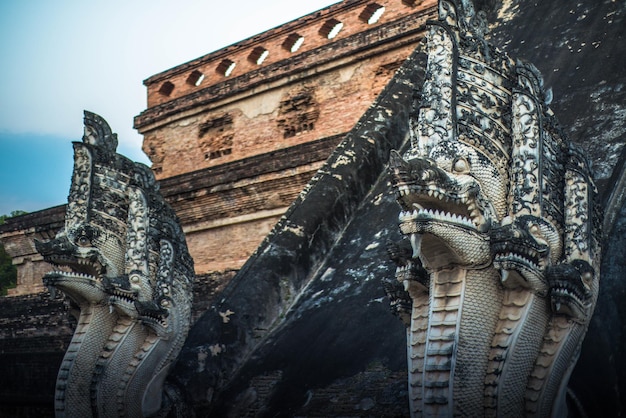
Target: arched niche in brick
[195, 78]
[293, 42]
[226, 67]
[258, 55]
[331, 28]
[372, 13]
[166, 88]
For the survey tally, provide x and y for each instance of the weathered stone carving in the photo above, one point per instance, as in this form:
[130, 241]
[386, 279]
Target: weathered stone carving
[499, 209]
[126, 267]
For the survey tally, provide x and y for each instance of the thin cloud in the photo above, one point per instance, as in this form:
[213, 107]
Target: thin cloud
[60, 58]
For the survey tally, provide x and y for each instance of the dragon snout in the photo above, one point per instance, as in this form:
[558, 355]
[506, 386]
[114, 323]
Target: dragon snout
[426, 171]
[60, 245]
[419, 170]
[501, 234]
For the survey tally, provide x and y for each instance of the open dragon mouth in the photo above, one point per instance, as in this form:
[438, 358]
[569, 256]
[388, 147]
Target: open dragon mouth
[514, 247]
[570, 291]
[159, 324]
[155, 315]
[70, 266]
[79, 278]
[434, 203]
[509, 257]
[121, 296]
[568, 299]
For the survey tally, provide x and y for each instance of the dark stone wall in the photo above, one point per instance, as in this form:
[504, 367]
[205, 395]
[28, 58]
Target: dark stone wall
[35, 331]
[34, 334]
[306, 318]
[580, 49]
[599, 378]
[338, 351]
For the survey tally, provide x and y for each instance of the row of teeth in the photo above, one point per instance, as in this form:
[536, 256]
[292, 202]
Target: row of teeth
[573, 299]
[123, 296]
[517, 248]
[516, 258]
[73, 274]
[160, 321]
[445, 216]
[568, 289]
[405, 191]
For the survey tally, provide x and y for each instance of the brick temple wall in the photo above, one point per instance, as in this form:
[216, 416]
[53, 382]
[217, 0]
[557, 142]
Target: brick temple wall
[273, 120]
[18, 235]
[200, 115]
[35, 331]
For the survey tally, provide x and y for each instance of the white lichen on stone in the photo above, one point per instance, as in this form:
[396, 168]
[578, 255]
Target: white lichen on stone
[216, 349]
[297, 230]
[225, 316]
[373, 245]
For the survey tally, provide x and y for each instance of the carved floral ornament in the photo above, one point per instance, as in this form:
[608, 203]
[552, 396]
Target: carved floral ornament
[499, 264]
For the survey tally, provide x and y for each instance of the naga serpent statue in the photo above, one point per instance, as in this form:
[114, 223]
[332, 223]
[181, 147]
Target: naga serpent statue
[125, 266]
[500, 253]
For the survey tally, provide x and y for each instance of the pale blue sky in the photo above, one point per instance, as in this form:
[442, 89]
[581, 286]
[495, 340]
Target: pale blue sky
[60, 57]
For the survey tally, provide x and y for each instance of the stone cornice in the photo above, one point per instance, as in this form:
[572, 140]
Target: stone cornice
[43, 219]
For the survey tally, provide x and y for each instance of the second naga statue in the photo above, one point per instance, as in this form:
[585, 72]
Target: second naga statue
[501, 253]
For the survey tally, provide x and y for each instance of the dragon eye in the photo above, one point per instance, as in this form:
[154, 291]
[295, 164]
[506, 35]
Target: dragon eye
[83, 241]
[587, 279]
[461, 165]
[537, 234]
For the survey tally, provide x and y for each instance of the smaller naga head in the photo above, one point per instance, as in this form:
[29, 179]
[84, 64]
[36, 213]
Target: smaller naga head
[523, 248]
[92, 245]
[571, 289]
[122, 248]
[120, 237]
[122, 294]
[411, 279]
[445, 210]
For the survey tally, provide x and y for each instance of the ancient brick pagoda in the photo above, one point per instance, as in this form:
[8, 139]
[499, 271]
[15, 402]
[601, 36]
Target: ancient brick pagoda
[235, 135]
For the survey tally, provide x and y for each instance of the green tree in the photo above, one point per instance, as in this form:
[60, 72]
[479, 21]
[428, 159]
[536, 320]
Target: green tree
[8, 272]
[14, 213]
